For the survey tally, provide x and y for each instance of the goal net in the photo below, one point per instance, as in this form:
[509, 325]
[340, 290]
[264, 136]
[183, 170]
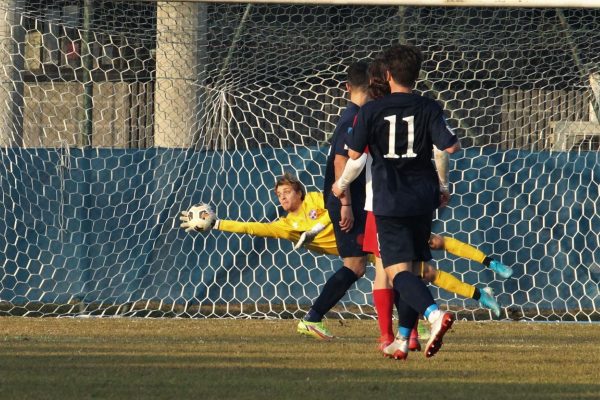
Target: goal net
[118, 115]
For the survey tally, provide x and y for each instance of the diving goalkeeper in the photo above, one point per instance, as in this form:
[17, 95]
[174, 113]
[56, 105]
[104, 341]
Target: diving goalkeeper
[307, 222]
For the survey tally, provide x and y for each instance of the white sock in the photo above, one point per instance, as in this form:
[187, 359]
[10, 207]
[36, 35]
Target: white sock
[434, 315]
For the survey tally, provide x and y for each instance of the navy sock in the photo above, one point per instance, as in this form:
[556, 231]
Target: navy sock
[413, 291]
[335, 288]
[313, 316]
[407, 317]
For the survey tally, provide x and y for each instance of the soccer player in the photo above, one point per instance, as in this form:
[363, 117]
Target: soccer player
[400, 131]
[306, 223]
[348, 216]
[383, 293]
[347, 220]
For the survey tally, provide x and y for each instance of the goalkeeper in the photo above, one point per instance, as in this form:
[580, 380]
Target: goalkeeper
[307, 222]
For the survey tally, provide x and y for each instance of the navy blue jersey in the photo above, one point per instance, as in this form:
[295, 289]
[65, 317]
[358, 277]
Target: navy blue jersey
[400, 130]
[339, 146]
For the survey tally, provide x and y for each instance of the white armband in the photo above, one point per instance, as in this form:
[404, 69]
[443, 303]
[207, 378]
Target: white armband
[352, 170]
[442, 161]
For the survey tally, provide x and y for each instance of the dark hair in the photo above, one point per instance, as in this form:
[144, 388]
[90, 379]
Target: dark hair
[378, 84]
[290, 179]
[404, 63]
[357, 74]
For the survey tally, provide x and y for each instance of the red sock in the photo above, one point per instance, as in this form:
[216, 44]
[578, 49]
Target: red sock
[384, 303]
[414, 334]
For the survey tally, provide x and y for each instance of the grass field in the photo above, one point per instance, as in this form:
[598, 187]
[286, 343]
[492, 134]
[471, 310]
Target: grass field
[112, 358]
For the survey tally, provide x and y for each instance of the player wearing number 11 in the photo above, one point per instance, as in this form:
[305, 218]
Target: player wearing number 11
[400, 130]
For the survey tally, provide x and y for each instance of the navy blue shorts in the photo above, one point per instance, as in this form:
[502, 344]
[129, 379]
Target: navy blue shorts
[349, 244]
[404, 239]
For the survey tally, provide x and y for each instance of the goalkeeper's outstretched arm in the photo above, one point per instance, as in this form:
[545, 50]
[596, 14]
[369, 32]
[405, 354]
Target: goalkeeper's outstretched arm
[275, 229]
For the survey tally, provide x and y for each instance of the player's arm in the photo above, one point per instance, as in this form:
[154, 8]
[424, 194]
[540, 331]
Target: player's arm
[277, 229]
[445, 142]
[454, 148]
[308, 236]
[346, 214]
[358, 140]
[442, 161]
[339, 162]
[208, 220]
[352, 170]
[357, 144]
[354, 155]
[443, 135]
[448, 143]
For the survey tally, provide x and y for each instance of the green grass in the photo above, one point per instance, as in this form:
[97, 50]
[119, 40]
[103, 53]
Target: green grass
[111, 358]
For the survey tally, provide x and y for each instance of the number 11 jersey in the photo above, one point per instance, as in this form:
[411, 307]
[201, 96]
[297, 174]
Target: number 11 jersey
[400, 130]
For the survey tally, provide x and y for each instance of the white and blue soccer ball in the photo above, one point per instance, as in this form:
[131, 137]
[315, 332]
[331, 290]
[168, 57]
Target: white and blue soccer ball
[202, 216]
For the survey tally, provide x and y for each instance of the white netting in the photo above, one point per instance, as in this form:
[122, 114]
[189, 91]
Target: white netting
[117, 115]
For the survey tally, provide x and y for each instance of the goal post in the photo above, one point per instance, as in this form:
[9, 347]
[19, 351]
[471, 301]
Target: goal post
[117, 115]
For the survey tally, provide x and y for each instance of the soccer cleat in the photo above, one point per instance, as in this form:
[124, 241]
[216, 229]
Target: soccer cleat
[397, 350]
[501, 269]
[413, 341]
[384, 342]
[314, 329]
[487, 300]
[438, 328]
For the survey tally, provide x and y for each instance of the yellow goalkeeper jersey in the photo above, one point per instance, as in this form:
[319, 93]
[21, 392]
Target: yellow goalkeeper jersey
[311, 212]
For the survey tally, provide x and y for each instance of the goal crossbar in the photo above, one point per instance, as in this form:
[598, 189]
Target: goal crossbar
[419, 3]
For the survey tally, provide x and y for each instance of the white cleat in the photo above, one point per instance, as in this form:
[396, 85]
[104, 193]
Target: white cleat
[438, 328]
[397, 350]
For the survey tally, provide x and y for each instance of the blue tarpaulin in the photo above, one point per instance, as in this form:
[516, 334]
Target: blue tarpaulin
[101, 225]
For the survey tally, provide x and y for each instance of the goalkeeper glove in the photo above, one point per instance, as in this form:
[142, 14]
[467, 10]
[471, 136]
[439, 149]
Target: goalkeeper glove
[309, 235]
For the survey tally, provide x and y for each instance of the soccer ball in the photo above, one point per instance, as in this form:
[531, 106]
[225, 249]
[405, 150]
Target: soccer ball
[202, 216]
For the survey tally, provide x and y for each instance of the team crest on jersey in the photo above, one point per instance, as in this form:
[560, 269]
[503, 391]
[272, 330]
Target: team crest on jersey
[349, 132]
[312, 214]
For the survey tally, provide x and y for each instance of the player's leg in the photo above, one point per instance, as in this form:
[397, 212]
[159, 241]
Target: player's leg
[383, 299]
[334, 289]
[452, 284]
[407, 317]
[355, 260]
[413, 342]
[403, 239]
[465, 250]
[414, 292]
[383, 293]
